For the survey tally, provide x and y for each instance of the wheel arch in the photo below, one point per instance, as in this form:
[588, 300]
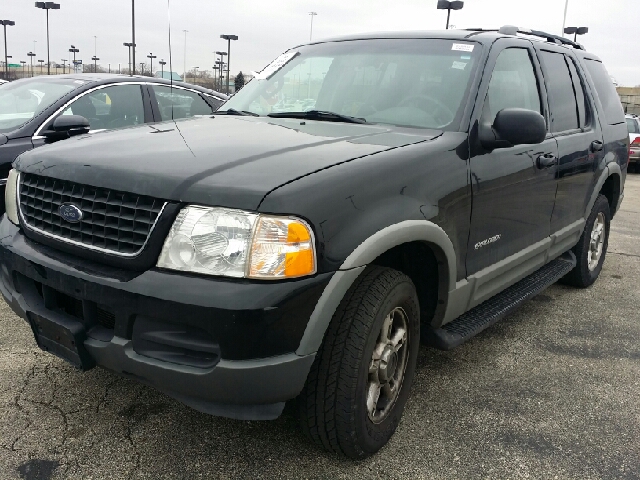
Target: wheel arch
[403, 233]
[610, 185]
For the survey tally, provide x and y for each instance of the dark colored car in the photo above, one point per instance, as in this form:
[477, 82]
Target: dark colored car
[29, 107]
[240, 261]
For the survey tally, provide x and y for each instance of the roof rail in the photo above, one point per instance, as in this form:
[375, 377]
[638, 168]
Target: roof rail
[549, 37]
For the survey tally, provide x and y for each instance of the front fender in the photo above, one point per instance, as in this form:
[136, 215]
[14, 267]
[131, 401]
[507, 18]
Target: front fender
[365, 253]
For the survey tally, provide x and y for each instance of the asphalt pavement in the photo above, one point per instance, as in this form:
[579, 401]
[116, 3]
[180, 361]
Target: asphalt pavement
[552, 391]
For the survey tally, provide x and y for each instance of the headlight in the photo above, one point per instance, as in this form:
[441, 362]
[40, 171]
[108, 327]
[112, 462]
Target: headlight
[233, 243]
[11, 197]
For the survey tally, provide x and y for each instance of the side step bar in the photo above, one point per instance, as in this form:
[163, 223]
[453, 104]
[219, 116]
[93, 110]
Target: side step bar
[489, 312]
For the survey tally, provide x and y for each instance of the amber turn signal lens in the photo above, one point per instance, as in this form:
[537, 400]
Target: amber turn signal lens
[282, 247]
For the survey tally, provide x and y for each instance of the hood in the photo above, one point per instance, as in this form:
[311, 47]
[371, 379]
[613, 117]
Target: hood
[222, 160]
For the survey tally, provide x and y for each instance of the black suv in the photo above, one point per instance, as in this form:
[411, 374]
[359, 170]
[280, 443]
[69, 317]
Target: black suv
[358, 196]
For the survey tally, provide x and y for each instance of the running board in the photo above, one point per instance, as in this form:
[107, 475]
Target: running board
[489, 312]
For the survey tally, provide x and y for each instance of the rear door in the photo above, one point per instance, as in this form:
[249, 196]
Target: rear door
[513, 188]
[578, 133]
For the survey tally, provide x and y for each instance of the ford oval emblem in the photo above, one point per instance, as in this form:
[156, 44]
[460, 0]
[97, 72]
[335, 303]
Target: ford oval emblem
[70, 213]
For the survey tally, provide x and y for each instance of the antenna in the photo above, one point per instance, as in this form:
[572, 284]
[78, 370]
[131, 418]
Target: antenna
[170, 54]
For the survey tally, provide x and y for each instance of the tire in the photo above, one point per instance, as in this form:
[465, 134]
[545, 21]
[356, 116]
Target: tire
[333, 407]
[584, 275]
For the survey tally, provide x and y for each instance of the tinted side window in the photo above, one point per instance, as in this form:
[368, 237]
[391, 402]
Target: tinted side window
[111, 107]
[513, 84]
[562, 98]
[632, 125]
[176, 103]
[578, 88]
[607, 94]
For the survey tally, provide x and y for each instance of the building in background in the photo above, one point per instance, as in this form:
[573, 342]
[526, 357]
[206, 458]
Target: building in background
[630, 99]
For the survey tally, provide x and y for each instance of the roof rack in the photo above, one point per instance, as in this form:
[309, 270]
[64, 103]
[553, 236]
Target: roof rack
[549, 37]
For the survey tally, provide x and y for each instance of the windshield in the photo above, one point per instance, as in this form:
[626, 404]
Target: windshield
[22, 100]
[407, 82]
[632, 125]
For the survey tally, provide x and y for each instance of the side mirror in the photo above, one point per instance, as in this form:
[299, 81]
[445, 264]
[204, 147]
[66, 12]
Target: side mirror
[66, 126]
[514, 126]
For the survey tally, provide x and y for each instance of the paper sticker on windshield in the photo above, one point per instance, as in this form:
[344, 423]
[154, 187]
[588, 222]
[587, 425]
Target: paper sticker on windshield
[463, 47]
[276, 65]
[459, 65]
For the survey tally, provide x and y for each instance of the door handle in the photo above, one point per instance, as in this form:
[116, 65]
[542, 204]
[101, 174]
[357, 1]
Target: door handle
[547, 160]
[596, 146]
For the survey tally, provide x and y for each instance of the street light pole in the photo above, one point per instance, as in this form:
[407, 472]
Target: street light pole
[448, 6]
[133, 34]
[48, 6]
[130, 46]
[184, 65]
[564, 21]
[5, 24]
[152, 56]
[221, 65]
[31, 55]
[228, 38]
[222, 55]
[23, 65]
[576, 31]
[74, 50]
[312, 14]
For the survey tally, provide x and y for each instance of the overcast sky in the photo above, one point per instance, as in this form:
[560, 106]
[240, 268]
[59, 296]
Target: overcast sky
[268, 27]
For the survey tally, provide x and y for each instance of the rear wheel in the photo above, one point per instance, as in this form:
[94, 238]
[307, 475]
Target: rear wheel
[592, 247]
[360, 381]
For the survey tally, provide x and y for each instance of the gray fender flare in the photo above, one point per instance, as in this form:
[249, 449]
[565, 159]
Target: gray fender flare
[611, 168]
[365, 253]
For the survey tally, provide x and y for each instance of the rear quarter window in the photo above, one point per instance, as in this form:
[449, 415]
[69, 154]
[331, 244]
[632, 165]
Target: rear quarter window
[613, 112]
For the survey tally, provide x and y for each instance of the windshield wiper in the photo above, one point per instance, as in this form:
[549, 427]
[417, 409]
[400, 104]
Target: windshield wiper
[233, 111]
[318, 115]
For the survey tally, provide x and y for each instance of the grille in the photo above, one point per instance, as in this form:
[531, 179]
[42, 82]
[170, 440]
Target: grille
[105, 318]
[114, 221]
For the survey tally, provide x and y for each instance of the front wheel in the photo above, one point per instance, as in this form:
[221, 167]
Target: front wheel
[592, 246]
[360, 380]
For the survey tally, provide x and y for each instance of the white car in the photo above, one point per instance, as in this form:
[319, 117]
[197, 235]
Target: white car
[633, 126]
[3, 81]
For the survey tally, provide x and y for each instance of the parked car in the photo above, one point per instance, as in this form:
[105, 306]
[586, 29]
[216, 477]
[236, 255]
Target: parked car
[29, 107]
[3, 81]
[240, 261]
[633, 126]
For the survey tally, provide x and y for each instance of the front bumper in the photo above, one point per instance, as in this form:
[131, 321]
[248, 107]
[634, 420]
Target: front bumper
[224, 347]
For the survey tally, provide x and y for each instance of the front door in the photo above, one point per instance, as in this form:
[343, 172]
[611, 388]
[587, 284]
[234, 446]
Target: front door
[513, 188]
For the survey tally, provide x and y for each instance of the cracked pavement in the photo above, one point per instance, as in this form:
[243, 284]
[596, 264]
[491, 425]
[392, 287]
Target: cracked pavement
[549, 392]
